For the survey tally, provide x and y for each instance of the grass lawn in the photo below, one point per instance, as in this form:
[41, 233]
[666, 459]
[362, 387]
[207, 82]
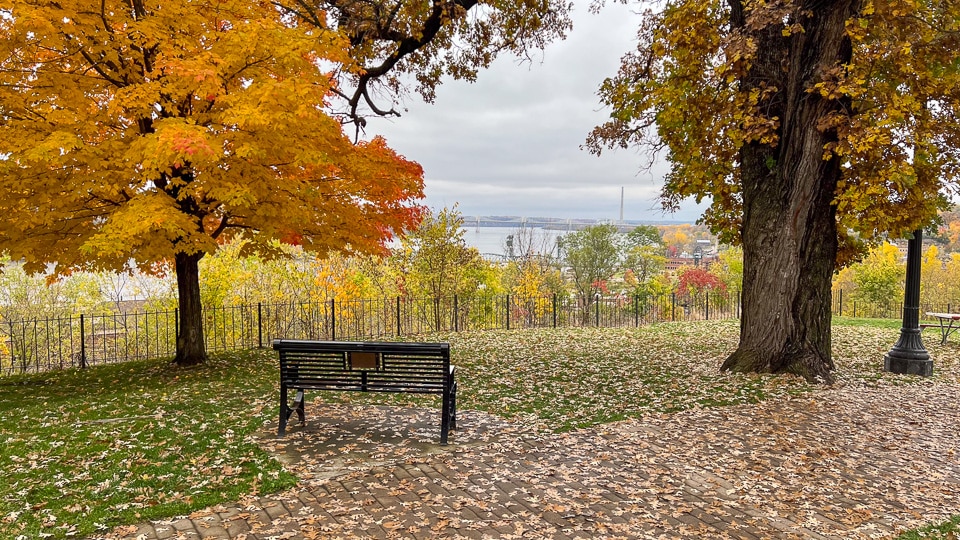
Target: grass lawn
[84, 451]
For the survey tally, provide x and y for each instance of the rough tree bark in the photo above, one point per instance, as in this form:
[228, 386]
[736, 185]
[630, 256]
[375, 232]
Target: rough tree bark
[789, 224]
[191, 349]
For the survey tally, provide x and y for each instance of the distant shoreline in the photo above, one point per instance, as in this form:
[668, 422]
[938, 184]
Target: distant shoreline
[561, 224]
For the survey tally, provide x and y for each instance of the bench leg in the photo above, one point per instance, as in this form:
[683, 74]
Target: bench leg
[444, 419]
[298, 406]
[286, 411]
[453, 407]
[448, 419]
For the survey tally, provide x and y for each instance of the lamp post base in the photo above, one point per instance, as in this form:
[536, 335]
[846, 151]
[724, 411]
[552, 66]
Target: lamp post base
[908, 357]
[908, 366]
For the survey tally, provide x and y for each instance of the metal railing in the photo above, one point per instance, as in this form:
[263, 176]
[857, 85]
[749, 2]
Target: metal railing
[849, 305]
[78, 342]
[84, 340]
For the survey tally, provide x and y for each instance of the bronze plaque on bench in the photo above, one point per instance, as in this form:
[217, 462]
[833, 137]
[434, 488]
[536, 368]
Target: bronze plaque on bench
[364, 360]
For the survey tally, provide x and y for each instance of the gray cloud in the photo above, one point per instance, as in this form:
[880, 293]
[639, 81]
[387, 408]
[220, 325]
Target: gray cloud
[509, 144]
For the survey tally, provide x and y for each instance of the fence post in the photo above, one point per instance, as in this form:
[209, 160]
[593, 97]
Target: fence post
[636, 311]
[259, 325]
[456, 313]
[398, 316]
[707, 308]
[13, 349]
[508, 311]
[83, 345]
[673, 306]
[841, 303]
[554, 310]
[333, 319]
[596, 311]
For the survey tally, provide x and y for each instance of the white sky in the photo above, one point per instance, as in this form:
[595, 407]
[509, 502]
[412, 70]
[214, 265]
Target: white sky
[509, 144]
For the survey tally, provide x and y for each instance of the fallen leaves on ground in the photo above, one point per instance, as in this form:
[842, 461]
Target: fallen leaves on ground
[848, 462]
[554, 423]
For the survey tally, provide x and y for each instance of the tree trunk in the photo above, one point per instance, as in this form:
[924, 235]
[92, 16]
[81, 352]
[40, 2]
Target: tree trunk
[191, 349]
[789, 223]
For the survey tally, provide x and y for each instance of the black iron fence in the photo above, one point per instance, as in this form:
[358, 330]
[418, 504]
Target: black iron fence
[85, 340]
[848, 305]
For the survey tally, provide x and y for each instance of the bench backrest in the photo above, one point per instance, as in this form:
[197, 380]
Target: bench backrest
[365, 366]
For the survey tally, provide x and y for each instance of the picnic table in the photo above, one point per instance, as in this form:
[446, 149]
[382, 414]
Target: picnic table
[948, 324]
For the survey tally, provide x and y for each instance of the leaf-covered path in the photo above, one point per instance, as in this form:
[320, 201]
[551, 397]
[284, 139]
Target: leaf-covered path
[848, 462]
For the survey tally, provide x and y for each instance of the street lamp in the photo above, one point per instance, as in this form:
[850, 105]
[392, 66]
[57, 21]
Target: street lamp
[908, 356]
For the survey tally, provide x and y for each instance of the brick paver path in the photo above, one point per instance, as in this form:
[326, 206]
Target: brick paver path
[846, 463]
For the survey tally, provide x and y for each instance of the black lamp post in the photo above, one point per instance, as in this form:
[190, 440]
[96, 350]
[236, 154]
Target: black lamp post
[908, 356]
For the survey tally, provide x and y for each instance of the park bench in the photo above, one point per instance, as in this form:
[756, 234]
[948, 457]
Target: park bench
[418, 368]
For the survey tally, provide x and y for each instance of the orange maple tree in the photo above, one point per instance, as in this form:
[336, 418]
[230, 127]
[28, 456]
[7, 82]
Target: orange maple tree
[153, 131]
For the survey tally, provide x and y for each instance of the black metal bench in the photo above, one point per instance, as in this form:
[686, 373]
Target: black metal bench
[419, 368]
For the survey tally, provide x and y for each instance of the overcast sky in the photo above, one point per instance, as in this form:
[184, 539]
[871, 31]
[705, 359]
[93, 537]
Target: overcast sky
[509, 144]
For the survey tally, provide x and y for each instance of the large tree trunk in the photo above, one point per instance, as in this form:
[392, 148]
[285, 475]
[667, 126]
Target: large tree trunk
[789, 224]
[191, 349]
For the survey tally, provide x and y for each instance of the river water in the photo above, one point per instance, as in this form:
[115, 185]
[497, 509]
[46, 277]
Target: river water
[492, 241]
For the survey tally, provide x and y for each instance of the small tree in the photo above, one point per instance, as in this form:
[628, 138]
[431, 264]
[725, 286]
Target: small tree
[593, 255]
[644, 259]
[39, 296]
[435, 259]
[694, 281]
[952, 277]
[729, 267]
[880, 275]
[533, 271]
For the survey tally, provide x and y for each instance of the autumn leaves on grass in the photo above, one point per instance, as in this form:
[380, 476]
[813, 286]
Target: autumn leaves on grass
[88, 450]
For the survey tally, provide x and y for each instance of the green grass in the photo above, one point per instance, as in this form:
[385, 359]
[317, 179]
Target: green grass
[872, 323]
[88, 450]
[568, 379]
[85, 451]
[948, 530]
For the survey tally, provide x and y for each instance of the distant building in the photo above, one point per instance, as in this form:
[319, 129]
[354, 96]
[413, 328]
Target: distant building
[675, 263]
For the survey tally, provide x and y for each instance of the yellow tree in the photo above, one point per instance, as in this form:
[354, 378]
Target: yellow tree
[152, 131]
[879, 276]
[951, 230]
[677, 237]
[435, 260]
[935, 285]
[533, 272]
[802, 121]
[338, 277]
[952, 276]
